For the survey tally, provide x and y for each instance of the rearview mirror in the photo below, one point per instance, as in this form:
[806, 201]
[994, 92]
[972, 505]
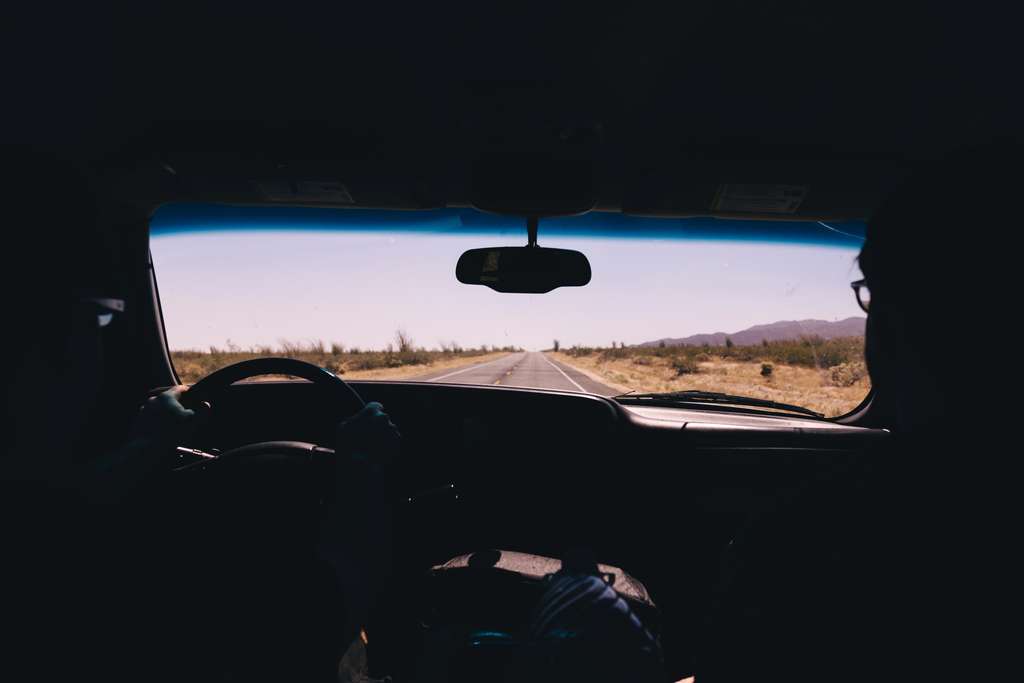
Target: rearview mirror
[523, 270]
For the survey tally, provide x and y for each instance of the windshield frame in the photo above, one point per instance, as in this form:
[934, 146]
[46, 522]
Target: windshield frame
[502, 227]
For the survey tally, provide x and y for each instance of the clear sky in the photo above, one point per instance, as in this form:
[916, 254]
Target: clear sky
[357, 288]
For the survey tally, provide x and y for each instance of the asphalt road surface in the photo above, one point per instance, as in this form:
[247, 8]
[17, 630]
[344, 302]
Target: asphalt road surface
[526, 369]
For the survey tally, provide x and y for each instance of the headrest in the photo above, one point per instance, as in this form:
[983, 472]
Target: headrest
[947, 219]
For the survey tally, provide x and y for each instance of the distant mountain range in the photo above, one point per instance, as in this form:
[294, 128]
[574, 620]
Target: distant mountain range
[784, 329]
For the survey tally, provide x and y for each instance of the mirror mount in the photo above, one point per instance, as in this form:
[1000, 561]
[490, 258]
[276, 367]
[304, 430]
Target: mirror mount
[533, 183]
[532, 222]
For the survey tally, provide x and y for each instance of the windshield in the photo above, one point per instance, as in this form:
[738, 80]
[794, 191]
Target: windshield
[763, 310]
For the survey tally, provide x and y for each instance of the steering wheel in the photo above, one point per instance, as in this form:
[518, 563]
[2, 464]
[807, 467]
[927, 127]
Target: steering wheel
[210, 387]
[281, 483]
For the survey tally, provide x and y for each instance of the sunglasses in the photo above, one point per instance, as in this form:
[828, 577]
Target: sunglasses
[863, 294]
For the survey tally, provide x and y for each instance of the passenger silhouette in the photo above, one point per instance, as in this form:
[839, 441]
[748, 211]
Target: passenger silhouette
[878, 574]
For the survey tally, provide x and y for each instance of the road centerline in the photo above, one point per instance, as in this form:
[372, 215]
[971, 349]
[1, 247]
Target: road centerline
[466, 369]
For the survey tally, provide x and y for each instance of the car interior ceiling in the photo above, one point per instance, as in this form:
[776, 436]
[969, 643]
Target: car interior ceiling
[519, 469]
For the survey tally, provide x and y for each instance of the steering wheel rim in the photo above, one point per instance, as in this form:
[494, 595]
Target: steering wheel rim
[206, 390]
[218, 380]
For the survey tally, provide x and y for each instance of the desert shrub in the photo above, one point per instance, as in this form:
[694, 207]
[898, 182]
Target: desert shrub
[288, 349]
[367, 361]
[809, 352]
[613, 353]
[814, 352]
[685, 365]
[192, 365]
[747, 354]
[403, 341]
[847, 374]
[767, 369]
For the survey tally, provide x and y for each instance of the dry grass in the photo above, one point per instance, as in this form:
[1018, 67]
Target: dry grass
[409, 371]
[391, 363]
[808, 387]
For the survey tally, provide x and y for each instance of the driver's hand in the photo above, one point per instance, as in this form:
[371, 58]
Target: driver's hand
[162, 423]
[369, 436]
[163, 419]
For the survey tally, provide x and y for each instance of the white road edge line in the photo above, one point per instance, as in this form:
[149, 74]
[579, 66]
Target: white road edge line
[563, 374]
[471, 367]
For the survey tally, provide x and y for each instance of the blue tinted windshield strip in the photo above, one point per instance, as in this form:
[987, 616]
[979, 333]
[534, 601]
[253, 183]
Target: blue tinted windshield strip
[192, 218]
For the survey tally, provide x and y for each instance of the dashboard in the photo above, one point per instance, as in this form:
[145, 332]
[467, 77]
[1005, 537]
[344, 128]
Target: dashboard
[658, 491]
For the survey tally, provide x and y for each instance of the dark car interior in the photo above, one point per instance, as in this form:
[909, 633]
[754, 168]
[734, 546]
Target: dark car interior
[659, 497]
[646, 114]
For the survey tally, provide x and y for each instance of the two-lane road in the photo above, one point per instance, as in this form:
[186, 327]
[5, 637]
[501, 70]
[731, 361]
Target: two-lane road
[526, 369]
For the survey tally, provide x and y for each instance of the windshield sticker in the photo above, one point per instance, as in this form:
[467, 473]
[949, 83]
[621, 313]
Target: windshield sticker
[319, 191]
[759, 198]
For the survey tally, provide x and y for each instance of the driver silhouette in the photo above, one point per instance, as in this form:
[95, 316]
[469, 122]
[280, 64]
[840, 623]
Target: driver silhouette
[102, 569]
